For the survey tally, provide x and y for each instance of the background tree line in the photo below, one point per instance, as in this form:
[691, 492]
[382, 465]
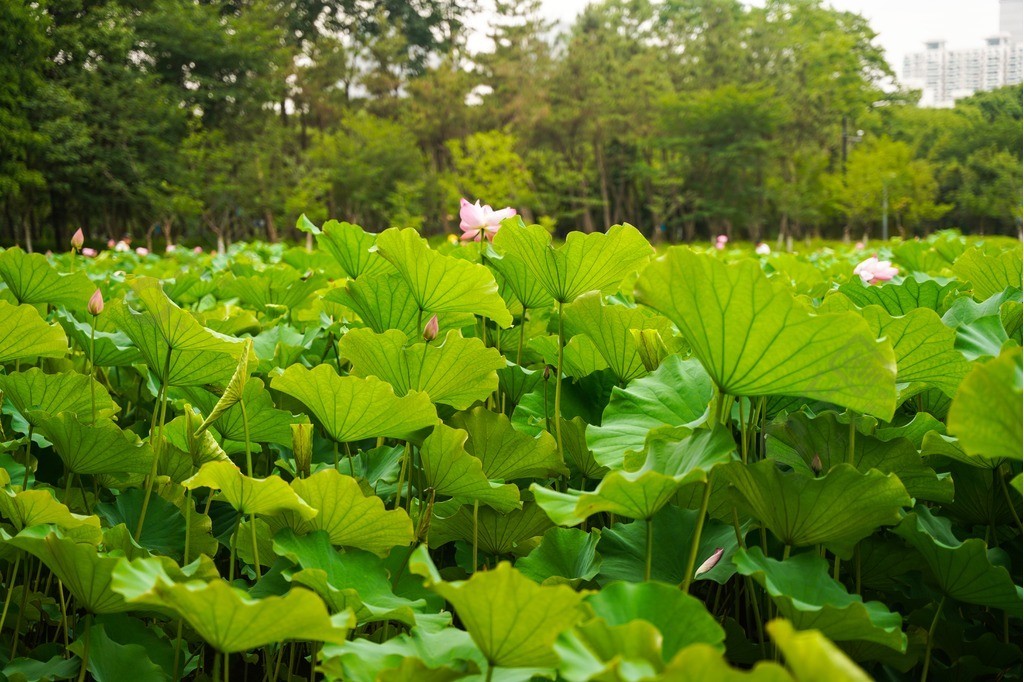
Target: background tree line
[214, 120]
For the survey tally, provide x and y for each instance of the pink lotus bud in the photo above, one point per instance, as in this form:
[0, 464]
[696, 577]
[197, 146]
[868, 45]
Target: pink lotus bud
[430, 329]
[710, 562]
[110, 243]
[547, 372]
[763, 249]
[122, 246]
[859, 246]
[722, 239]
[95, 306]
[198, 249]
[89, 253]
[78, 240]
[142, 251]
[816, 464]
[171, 248]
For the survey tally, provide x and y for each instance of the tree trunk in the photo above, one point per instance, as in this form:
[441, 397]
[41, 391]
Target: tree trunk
[271, 228]
[603, 173]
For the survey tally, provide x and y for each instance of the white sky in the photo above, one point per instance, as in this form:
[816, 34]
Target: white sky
[902, 25]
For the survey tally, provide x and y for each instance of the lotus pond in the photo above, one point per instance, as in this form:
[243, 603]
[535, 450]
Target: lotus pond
[379, 459]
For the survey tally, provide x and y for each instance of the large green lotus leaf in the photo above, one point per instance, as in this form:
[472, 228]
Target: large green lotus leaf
[800, 438]
[353, 408]
[989, 272]
[168, 336]
[517, 276]
[180, 434]
[32, 280]
[623, 547]
[586, 262]
[923, 345]
[497, 533]
[580, 356]
[755, 339]
[456, 372]
[28, 508]
[226, 617]
[508, 454]
[111, 349]
[93, 448]
[578, 456]
[704, 663]
[442, 284]
[900, 299]
[347, 515]
[934, 443]
[512, 619]
[811, 656]
[807, 596]
[112, 661]
[385, 302]
[264, 496]
[267, 424]
[352, 248]
[232, 394]
[86, 574]
[453, 472]
[674, 460]
[35, 670]
[836, 510]
[163, 529]
[363, 660]
[564, 555]
[961, 570]
[682, 619]
[675, 394]
[35, 393]
[980, 331]
[345, 580]
[609, 328]
[595, 650]
[985, 414]
[276, 287]
[24, 334]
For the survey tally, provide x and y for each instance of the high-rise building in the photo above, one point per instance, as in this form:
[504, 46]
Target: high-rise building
[945, 75]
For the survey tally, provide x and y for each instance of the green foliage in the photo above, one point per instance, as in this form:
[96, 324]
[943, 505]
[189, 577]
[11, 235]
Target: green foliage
[244, 466]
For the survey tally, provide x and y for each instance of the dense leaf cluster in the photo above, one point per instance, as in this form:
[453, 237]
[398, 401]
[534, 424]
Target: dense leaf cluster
[608, 464]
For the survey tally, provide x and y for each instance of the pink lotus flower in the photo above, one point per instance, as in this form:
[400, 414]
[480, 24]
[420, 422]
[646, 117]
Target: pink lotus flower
[110, 243]
[142, 251]
[872, 270]
[89, 253]
[122, 247]
[171, 248]
[198, 249]
[859, 246]
[480, 220]
[77, 239]
[721, 241]
[710, 562]
[763, 249]
[95, 305]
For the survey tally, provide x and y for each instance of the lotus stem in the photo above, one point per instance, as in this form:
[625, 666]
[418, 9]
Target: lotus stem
[476, 529]
[490, 672]
[162, 410]
[1006, 495]
[691, 562]
[650, 549]
[189, 508]
[177, 649]
[85, 649]
[749, 584]
[28, 459]
[850, 457]
[558, 383]
[351, 462]
[522, 338]
[63, 615]
[255, 548]
[931, 639]
[401, 475]
[92, 366]
[10, 591]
